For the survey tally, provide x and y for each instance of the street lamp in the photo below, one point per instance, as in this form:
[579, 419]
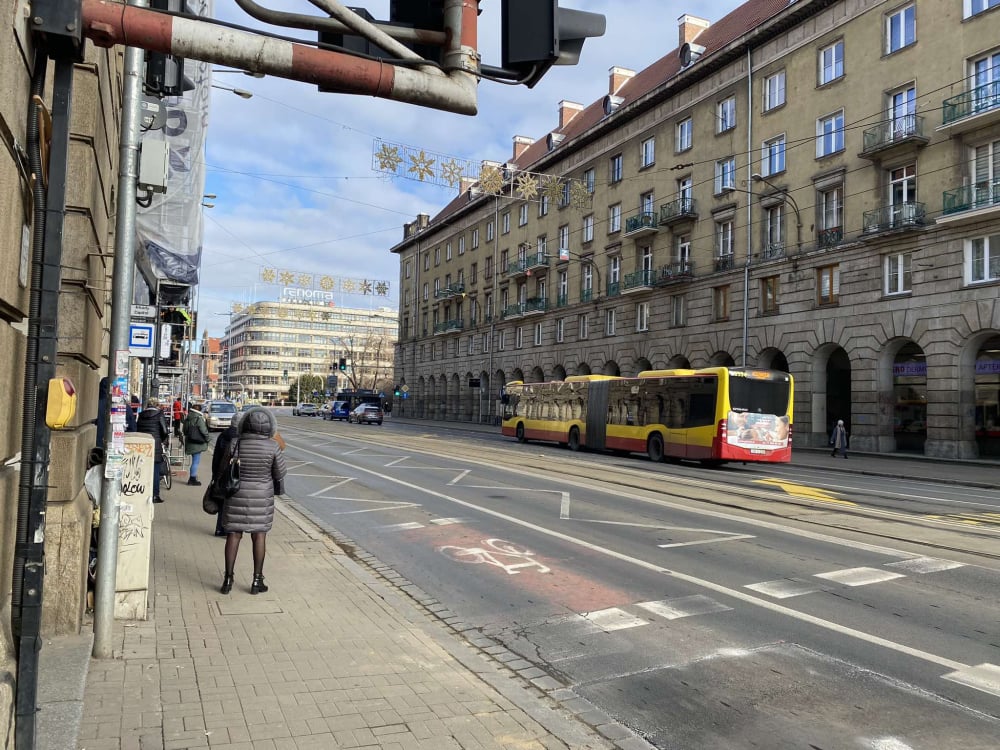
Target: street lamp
[242, 93]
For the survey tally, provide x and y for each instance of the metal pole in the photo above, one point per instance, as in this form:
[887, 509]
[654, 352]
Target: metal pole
[128, 169]
[493, 317]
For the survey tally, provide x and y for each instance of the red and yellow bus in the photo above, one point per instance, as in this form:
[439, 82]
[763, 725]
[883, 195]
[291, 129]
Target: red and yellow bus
[712, 415]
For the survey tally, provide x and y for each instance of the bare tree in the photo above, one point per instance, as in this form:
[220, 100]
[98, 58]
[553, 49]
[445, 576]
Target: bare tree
[369, 353]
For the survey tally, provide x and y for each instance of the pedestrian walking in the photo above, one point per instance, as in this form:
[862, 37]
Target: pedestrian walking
[251, 508]
[838, 439]
[152, 422]
[196, 438]
[220, 457]
[178, 415]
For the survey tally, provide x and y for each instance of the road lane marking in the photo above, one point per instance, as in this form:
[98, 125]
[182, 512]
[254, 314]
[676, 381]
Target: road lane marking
[859, 576]
[684, 606]
[446, 521]
[725, 537]
[875, 640]
[925, 565]
[460, 477]
[784, 588]
[343, 481]
[985, 677]
[403, 526]
[613, 619]
[397, 461]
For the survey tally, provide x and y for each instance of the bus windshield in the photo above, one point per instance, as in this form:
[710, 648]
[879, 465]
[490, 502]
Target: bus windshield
[759, 396]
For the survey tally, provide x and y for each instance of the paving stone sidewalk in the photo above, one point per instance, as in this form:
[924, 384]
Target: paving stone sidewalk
[333, 656]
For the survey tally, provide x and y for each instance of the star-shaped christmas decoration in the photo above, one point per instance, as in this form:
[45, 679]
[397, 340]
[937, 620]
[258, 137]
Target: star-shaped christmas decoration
[578, 194]
[237, 307]
[282, 312]
[366, 287]
[347, 285]
[490, 180]
[268, 275]
[451, 172]
[305, 280]
[421, 165]
[388, 158]
[527, 186]
[286, 277]
[326, 283]
[553, 189]
[382, 289]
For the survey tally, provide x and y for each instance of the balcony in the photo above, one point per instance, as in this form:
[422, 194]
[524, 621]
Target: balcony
[562, 300]
[638, 281]
[524, 266]
[587, 295]
[640, 224]
[831, 237]
[535, 305]
[614, 288]
[773, 250]
[893, 138]
[452, 290]
[970, 202]
[680, 210]
[894, 217]
[512, 311]
[973, 109]
[448, 326]
[682, 270]
[725, 262]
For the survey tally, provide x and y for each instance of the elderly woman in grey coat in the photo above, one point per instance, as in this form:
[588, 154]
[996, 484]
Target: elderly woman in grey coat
[262, 472]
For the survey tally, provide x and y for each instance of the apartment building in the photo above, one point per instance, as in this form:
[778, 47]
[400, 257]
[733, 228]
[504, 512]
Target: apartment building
[267, 346]
[810, 186]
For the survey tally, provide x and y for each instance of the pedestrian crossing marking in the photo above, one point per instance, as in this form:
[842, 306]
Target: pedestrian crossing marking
[613, 619]
[783, 588]
[925, 565]
[684, 606]
[859, 576]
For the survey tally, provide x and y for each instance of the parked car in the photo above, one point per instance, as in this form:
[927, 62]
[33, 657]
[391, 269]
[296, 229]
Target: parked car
[219, 414]
[337, 410]
[305, 410]
[366, 414]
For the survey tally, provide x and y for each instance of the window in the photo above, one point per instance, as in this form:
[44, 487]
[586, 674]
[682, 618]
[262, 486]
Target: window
[505, 223]
[563, 234]
[725, 174]
[831, 63]
[646, 260]
[647, 203]
[588, 180]
[830, 134]
[437, 256]
[406, 298]
[774, 234]
[489, 231]
[609, 322]
[902, 112]
[473, 273]
[897, 273]
[504, 260]
[682, 135]
[769, 295]
[900, 29]
[986, 172]
[486, 343]
[541, 244]
[427, 261]
[831, 204]
[488, 307]
[426, 291]
[563, 285]
[461, 245]
[774, 90]
[437, 287]
[615, 169]
[519, 337]
[543, 204]
[685, 191]
[982, 259]
[504, 299]
[584, 329]
[725, 115]
[587, 277]
[522, 215]
[724, 239]
[683, 249]
[406, 270]
[677, 310]
[488, 268]
[772, 156]
[642, 316]
[566, 194]
[472, 346]
[614, 218]
[447, 251]
[978, 6]
[560, 330]
[588, 228]
[828, 284]
[720, 302]
[538, 334]
[648, 156]
[902, 194]
[502, 341]
[475, 238]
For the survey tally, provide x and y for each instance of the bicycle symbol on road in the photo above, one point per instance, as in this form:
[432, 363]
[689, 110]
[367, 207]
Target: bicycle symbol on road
[491, 553]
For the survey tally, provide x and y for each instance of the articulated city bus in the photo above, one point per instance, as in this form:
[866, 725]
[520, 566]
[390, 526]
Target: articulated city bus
[712, 415]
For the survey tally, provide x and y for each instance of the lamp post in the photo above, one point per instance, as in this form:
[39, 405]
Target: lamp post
[242, 93]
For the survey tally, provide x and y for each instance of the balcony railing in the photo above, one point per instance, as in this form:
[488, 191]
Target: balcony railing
[895, 132]
[562, 300]
[682, 270]
[897, 216]
[452, 290]
[517, 267]
[773, 250]
[976, 101]
[614, 288]
[586, 295]
[512, 311]
[644, 222]
[448, 326]
[639, 280]
[682, 209]
[535, 305]
[724, 262]
[536, 260]
[830, 237]
[971, 197]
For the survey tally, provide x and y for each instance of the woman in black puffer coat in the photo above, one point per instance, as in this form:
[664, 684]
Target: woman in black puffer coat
[262, 472]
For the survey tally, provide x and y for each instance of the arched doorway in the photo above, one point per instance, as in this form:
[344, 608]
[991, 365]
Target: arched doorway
[721, 359]
[909, 392]
[559, 373]
[469, 393]
[611, 368]
[642, 364]
[537, 375]
[838, 389]
[679, 362]
[420, 399]
[583, 369]
[773, 359]
[987, 390]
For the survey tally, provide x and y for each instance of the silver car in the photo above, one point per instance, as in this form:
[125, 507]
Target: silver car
[219, 414]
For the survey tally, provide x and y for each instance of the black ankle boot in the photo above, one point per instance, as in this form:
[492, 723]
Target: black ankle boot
[258, 586]
[227, 583]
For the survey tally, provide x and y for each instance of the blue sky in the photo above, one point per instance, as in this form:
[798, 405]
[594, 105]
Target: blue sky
[292, 167]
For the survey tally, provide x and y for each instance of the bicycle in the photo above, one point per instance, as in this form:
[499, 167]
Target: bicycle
[166, 475]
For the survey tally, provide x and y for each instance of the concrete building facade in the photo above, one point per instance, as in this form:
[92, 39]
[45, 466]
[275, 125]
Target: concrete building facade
[811, 186]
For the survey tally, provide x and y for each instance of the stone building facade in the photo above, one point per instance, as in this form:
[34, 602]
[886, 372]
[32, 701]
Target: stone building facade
[811, 186]
[84, 301]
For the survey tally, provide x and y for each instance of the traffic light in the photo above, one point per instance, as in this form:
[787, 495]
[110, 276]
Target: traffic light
[420, 14]
[395, 390]
[342, 364]
[537, 34]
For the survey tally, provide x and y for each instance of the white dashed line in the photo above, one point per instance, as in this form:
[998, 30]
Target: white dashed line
[446, 521]
[859, 576]
[784, 588]
[684, 606]
[404, 526]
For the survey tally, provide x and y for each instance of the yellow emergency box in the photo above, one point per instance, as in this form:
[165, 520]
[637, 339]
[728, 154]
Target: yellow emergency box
[61, 405]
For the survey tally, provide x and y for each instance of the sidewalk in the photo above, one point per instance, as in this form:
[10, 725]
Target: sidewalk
[340, 653]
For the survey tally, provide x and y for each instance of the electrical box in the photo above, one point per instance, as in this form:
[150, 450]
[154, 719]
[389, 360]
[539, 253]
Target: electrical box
[60, 407]
[154, 159]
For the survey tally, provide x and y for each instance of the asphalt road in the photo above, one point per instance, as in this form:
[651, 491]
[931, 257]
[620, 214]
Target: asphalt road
[774, 607]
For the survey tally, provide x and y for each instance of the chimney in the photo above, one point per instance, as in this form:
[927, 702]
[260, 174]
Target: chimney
[423, 220]
[618, 77]
[689, 27]
[465, 184]
[567, 111]
[521, 143]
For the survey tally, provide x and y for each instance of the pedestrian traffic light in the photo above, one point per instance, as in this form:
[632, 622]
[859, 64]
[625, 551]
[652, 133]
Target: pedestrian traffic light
[342, 364]
[537, 34]
[395, 390]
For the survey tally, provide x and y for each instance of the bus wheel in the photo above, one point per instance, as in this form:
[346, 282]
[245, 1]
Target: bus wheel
[519, 433]
[654, 447]
[574, 439]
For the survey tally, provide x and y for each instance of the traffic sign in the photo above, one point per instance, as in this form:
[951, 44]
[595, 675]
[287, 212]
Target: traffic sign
[405, 389]
[143, 311]
[141, 339]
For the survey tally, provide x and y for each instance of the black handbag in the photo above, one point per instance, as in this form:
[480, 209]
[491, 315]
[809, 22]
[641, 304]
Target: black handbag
[229, 477]
[192, 433]
[209, 501]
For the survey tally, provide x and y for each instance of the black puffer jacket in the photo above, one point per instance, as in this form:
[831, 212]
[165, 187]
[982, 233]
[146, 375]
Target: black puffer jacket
[152, 422]
[262, 472]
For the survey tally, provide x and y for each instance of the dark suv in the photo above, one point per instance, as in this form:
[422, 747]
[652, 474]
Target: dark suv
[367, 414]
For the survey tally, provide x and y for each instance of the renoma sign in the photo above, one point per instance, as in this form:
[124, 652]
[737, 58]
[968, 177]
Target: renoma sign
[298, 294]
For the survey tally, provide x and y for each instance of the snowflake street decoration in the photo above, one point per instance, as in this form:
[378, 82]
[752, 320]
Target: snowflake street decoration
[366, 287]
[579, 196]
[347, 285]
[422, 166]
[451, 172]
[388, 158]
[527, 185]
[491, 181]
[326, 283]
[305, 280]
[553, 190]
[237, 308]
[286, 278]
[382, 288]
[268, 275]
